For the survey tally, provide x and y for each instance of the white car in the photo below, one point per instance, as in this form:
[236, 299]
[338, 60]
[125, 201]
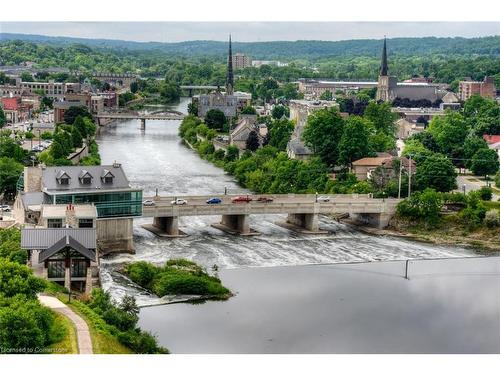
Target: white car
[179, 201]
[5, 208]
[148, 202]
[323, 199]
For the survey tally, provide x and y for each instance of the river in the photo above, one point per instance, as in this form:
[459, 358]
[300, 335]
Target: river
[156, 159]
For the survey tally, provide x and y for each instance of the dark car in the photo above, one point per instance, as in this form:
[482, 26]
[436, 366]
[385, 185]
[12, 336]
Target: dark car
[214, 201]
[265, 199]
[241, 199]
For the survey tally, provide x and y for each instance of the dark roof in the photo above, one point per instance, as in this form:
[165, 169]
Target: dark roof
[44, 238]
[50, 177]
[66, 241]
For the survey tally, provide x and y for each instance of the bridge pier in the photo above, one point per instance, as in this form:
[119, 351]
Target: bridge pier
[143, 124]
[165, 226]
[304, 223]
[236, 224]
[377, 220]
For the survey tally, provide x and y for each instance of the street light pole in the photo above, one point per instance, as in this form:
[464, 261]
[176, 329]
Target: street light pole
[400, 171]
[409, 176]
[463, 188]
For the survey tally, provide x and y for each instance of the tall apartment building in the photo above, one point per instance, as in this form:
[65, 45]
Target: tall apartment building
[241, 61]
[485, 88]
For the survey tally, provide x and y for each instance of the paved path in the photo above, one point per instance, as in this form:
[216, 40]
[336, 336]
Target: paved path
[82, 329]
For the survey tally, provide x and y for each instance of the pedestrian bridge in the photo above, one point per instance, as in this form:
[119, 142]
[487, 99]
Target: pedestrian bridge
[302, 211]
[174, 116]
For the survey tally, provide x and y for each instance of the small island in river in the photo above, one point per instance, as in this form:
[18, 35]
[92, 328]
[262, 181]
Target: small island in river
[177, 277]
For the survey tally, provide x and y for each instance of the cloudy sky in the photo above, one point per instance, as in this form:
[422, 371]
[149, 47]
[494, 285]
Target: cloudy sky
[250, 31]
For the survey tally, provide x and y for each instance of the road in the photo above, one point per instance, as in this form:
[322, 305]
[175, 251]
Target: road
[473, 183]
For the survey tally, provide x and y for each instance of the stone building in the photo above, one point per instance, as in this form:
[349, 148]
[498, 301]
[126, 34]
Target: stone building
[104, 187]
[66, 256]
[229, 102]
[388, 87]
[245, 126]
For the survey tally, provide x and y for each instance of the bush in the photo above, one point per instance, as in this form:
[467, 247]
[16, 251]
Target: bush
[486, 193]
[142, 273]
[122, 320]
[141, 342]
[424, 206]
[176, 277]
[492, 218]
[16, 279]
[25, 324]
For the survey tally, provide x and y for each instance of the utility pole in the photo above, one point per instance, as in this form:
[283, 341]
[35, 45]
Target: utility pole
[400, 171]
[409, 176]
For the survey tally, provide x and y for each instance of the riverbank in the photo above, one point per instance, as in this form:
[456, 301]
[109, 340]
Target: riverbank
[481, 241]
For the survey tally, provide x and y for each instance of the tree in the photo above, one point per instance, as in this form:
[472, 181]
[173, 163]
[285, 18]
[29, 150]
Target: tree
[279, 133]
[79, 125]
[10, 170]
[134, 87]
[353, 144]
[326, 95]
[473, 144]
[424, 206]
[17, 278]
[252, 143]
[170, 91]
[381, 116]
[26, 77]
[193, 108]
[232, 153]
[485, 162]
[215, 119]
[449, 131]
[322, 134]
[436, 172]
[248, 110]
[73, 112]
[3, 120]
[279, 111]
[416, 150]
[76, 138]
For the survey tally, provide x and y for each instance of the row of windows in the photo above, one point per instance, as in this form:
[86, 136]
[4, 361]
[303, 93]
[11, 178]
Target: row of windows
[117, 204]
[57, 268]
[58, 223]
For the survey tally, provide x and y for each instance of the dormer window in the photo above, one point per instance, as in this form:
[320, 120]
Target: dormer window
[85, 177]
[62, 178]
[107, 177]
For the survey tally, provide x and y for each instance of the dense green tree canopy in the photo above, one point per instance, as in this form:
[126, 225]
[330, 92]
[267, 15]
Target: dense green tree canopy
[354, 143]
[215, 119]
[436, 172]
[485, 162]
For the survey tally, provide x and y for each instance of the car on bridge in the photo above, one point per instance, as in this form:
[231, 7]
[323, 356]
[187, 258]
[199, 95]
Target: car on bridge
[148, 202]
[265, 199]
[242, 199]
[179, 201]
[5, 208]
[214, 201]
[323, 199]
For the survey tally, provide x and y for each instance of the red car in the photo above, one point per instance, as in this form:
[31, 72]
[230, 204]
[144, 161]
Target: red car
[264, 199]
[241, 199]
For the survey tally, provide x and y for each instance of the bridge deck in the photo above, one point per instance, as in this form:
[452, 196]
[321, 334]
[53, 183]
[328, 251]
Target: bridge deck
[282, 204]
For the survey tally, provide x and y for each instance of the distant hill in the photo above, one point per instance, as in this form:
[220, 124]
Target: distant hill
[286, 50]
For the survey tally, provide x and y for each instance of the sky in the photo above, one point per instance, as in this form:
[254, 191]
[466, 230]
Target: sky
[251, 31]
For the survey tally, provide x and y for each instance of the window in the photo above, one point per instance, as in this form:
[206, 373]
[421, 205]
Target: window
[78, 268]
[108, 180]
[85, 223]
[64, 181]
[86, 180]
[56, 269]
[54, 223]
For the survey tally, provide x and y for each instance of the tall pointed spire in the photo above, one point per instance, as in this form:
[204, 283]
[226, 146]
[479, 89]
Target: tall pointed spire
[230, 77]
[383, 66]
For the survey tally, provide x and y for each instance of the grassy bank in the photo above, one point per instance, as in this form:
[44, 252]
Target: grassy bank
[68, 344]
[177, 277]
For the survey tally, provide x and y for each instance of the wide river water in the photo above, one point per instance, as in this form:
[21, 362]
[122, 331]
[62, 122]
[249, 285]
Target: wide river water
[285, 304]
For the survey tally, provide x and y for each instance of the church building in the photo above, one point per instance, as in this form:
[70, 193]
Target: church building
[388, 87]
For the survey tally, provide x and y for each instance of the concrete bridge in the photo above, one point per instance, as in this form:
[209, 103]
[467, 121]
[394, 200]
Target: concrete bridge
[302, 211]
[141, 117]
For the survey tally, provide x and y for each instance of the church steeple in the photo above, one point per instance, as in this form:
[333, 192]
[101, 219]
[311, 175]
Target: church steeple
[230, 77]
[383, 66]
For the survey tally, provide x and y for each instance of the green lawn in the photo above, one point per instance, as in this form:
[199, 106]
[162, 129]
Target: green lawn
[68, 344]
[103, 342]
[490, 204]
